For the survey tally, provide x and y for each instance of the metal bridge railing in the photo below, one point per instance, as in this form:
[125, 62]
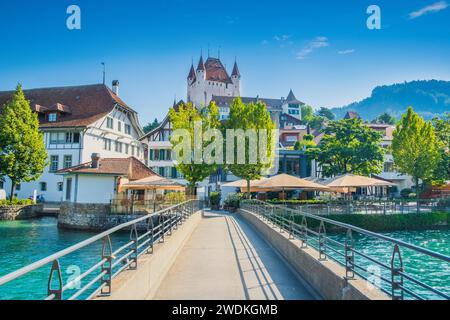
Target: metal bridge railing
[144, 233]
[393, 278]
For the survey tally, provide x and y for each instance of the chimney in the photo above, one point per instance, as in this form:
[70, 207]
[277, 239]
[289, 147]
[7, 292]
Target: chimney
[115, 87]
[95, 157]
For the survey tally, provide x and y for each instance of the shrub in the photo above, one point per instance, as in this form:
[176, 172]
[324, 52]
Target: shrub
[214, 199]
[405, 192]
[175, 197]
[277, 201]
[233, 200]
[16, 202]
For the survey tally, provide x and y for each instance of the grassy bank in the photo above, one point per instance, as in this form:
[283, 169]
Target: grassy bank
[390, 222]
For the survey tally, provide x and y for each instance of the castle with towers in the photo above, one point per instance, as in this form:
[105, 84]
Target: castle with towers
[210, 81]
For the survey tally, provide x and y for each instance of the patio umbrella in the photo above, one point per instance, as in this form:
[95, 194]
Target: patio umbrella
[287, 182]
[154, 183]
[344, 183]
[242, 184]
[351, 180]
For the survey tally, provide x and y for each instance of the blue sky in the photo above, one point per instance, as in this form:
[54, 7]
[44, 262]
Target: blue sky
[321, 49]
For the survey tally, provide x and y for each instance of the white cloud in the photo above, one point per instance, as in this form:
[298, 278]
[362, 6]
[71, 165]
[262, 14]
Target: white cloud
[282, 37]
[316, 43]
[348, 51]
[435, 7]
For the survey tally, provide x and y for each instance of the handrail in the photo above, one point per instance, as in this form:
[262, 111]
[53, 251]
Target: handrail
[285, 221]
[177, 214]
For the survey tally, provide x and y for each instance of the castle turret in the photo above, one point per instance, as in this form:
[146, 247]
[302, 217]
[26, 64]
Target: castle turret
[191, 75]
[201, 69]
[236, 79]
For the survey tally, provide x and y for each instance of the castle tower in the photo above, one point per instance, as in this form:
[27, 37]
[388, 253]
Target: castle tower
[236, 79]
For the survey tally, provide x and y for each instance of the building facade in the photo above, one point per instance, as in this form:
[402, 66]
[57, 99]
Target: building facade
[77, 122]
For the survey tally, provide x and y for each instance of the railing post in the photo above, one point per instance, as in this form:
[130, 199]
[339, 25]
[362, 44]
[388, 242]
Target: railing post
[349, 256]
[322, 241]
[134, 248]
[107, 266]
[150, 227]
[291, 227]
[304, 232]
[162, 226]
[58, 293]
[396, 276]
[170, 222]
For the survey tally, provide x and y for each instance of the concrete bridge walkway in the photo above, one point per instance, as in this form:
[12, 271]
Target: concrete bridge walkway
[225, 258]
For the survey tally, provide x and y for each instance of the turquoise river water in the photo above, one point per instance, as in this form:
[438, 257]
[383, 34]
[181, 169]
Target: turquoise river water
[24, 242]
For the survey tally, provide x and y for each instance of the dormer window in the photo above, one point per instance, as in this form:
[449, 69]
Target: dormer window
[52, 117]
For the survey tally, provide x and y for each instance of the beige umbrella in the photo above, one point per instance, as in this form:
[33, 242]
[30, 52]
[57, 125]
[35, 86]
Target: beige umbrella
[287, 182]
[154, 183]
[351, 180]
[346, 183]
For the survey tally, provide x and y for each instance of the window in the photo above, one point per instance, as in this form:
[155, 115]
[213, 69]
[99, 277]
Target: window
[127, 147]
[60, 186]
[54, 163]
[127, 129]
[67, 161]
[18, 187]
[107, 144]
[110, 123]
[132, 150]
[162, 154]
[52, 117]
[43, 186]
[57, 137]
[2, 183]
[72, 137]
[161, 171]
[152, 155]
[119, 126]
[118, 146]
[174, 173]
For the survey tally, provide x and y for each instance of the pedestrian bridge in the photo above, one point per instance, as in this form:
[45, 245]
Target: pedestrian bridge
[261, 252]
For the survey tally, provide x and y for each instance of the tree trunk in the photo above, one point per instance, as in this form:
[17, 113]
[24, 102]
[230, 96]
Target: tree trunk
[417, 195]
[13, 190]
[248, 189]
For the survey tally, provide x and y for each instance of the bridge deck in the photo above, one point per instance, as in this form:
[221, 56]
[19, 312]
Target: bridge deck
[226, 259]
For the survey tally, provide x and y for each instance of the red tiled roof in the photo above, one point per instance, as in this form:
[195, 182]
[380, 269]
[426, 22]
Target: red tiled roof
[79, 105]
[130, 167]
[215, 71]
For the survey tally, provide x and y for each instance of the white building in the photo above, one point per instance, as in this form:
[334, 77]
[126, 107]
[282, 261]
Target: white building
[77, 122]
[103, 174]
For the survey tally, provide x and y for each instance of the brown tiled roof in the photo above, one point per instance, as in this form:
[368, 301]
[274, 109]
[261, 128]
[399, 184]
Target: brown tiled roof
[130, 167]
[80, 105]
[215, 71]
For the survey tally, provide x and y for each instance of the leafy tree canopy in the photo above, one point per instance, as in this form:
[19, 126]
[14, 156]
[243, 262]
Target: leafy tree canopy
[415, 147]
[151, 125]
[349, 146]
[442, 128]
[325, 113]
[385, 118]
[251, 116]
[22, 151]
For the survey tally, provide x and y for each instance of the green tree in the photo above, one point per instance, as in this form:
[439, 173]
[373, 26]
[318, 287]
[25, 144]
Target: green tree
[326, 113]
[442, 128]
[184, 119]
[307, 113]
[22, 151]
[385, 118]
[415, 148]
[150, 126]
[251, 116]
[306, 143]
[349, 146]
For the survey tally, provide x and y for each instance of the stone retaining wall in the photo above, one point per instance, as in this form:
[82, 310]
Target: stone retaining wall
[20, 212]
[90, 216]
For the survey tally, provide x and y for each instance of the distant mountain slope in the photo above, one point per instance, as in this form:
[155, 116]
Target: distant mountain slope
[428, 98]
